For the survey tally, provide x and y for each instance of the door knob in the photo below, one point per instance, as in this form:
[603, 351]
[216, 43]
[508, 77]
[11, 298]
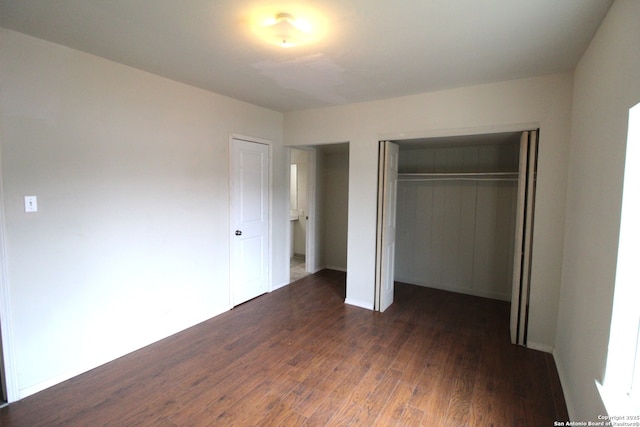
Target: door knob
[238, 233]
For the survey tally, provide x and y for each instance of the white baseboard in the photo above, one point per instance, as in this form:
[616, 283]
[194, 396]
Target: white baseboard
[214, 314]
[360, 304]
[281, 285]
[540, 347]
[336, 268]
[459, 290]
[50, 382]
[565, 389]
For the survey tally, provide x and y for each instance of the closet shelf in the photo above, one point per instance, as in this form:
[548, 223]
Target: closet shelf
[459, 176]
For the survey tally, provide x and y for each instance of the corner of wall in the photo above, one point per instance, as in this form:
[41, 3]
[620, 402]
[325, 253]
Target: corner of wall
[540, 347]
[361, 304]
[281, 285]
[568, 398]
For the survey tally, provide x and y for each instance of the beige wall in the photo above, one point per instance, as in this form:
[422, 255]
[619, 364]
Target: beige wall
[299, 226]
[512, 105]
[131, 241]
[334, 205]
[606, 85]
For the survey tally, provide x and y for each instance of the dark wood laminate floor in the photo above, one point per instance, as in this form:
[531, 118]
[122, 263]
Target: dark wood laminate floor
[300, 356]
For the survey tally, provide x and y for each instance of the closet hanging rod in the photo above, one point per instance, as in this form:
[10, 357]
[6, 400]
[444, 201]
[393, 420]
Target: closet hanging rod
[462, 176]
[445, 174]
[457, 179]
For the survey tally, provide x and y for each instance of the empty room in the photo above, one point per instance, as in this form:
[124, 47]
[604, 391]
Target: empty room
[467, 194]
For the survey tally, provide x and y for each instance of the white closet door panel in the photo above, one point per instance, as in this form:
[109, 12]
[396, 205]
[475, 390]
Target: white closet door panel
[505, 229]
[521, 251]
[387, 222]
[503, 234]
[528, 236]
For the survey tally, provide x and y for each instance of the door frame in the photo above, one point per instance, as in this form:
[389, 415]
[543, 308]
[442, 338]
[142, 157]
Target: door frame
[9, 384]
[269, 144]
[310, 238]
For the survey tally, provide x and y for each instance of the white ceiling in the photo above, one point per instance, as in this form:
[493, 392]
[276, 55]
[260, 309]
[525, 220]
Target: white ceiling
[374, 49]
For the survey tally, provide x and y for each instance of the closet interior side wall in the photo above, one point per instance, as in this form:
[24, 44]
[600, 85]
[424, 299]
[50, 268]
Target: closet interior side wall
[457, 234]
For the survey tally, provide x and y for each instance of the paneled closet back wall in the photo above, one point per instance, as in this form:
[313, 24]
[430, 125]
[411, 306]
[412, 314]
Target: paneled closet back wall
[457, 233]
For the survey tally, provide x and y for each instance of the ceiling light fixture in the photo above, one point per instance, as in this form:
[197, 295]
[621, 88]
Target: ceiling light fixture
[286, 30]
[294, 24]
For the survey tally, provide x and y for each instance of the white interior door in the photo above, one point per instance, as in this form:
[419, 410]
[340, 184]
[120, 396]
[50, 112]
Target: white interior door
[249, 167]
[523, 237]
[387, 196]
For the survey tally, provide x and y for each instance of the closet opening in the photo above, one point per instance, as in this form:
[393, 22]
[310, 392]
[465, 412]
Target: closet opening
[456, 213]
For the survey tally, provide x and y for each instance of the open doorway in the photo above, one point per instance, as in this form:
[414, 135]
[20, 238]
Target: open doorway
[318, 209]
[299, 211]
[456, 213]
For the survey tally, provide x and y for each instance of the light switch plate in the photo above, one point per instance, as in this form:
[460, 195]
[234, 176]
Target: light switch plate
[30, 203]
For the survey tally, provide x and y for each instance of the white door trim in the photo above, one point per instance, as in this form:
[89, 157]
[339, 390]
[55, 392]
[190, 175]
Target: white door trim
[6, 325]
[287, 231]
[311, 253]
[310, 248]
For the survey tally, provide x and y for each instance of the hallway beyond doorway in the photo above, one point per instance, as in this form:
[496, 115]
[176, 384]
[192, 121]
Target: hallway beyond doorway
[298, 270]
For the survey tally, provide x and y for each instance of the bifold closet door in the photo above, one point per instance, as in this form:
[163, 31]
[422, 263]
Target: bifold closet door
[386, 242]
[523, 237]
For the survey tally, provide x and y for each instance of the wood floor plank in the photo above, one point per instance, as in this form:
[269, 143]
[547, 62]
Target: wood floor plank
[495, 408]
[357, 394]
[557, 395]
[410, 417]
[396, 404]
[343, 373]
[300, 356]
[365, 407]
[460, 401]
[325, 406]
